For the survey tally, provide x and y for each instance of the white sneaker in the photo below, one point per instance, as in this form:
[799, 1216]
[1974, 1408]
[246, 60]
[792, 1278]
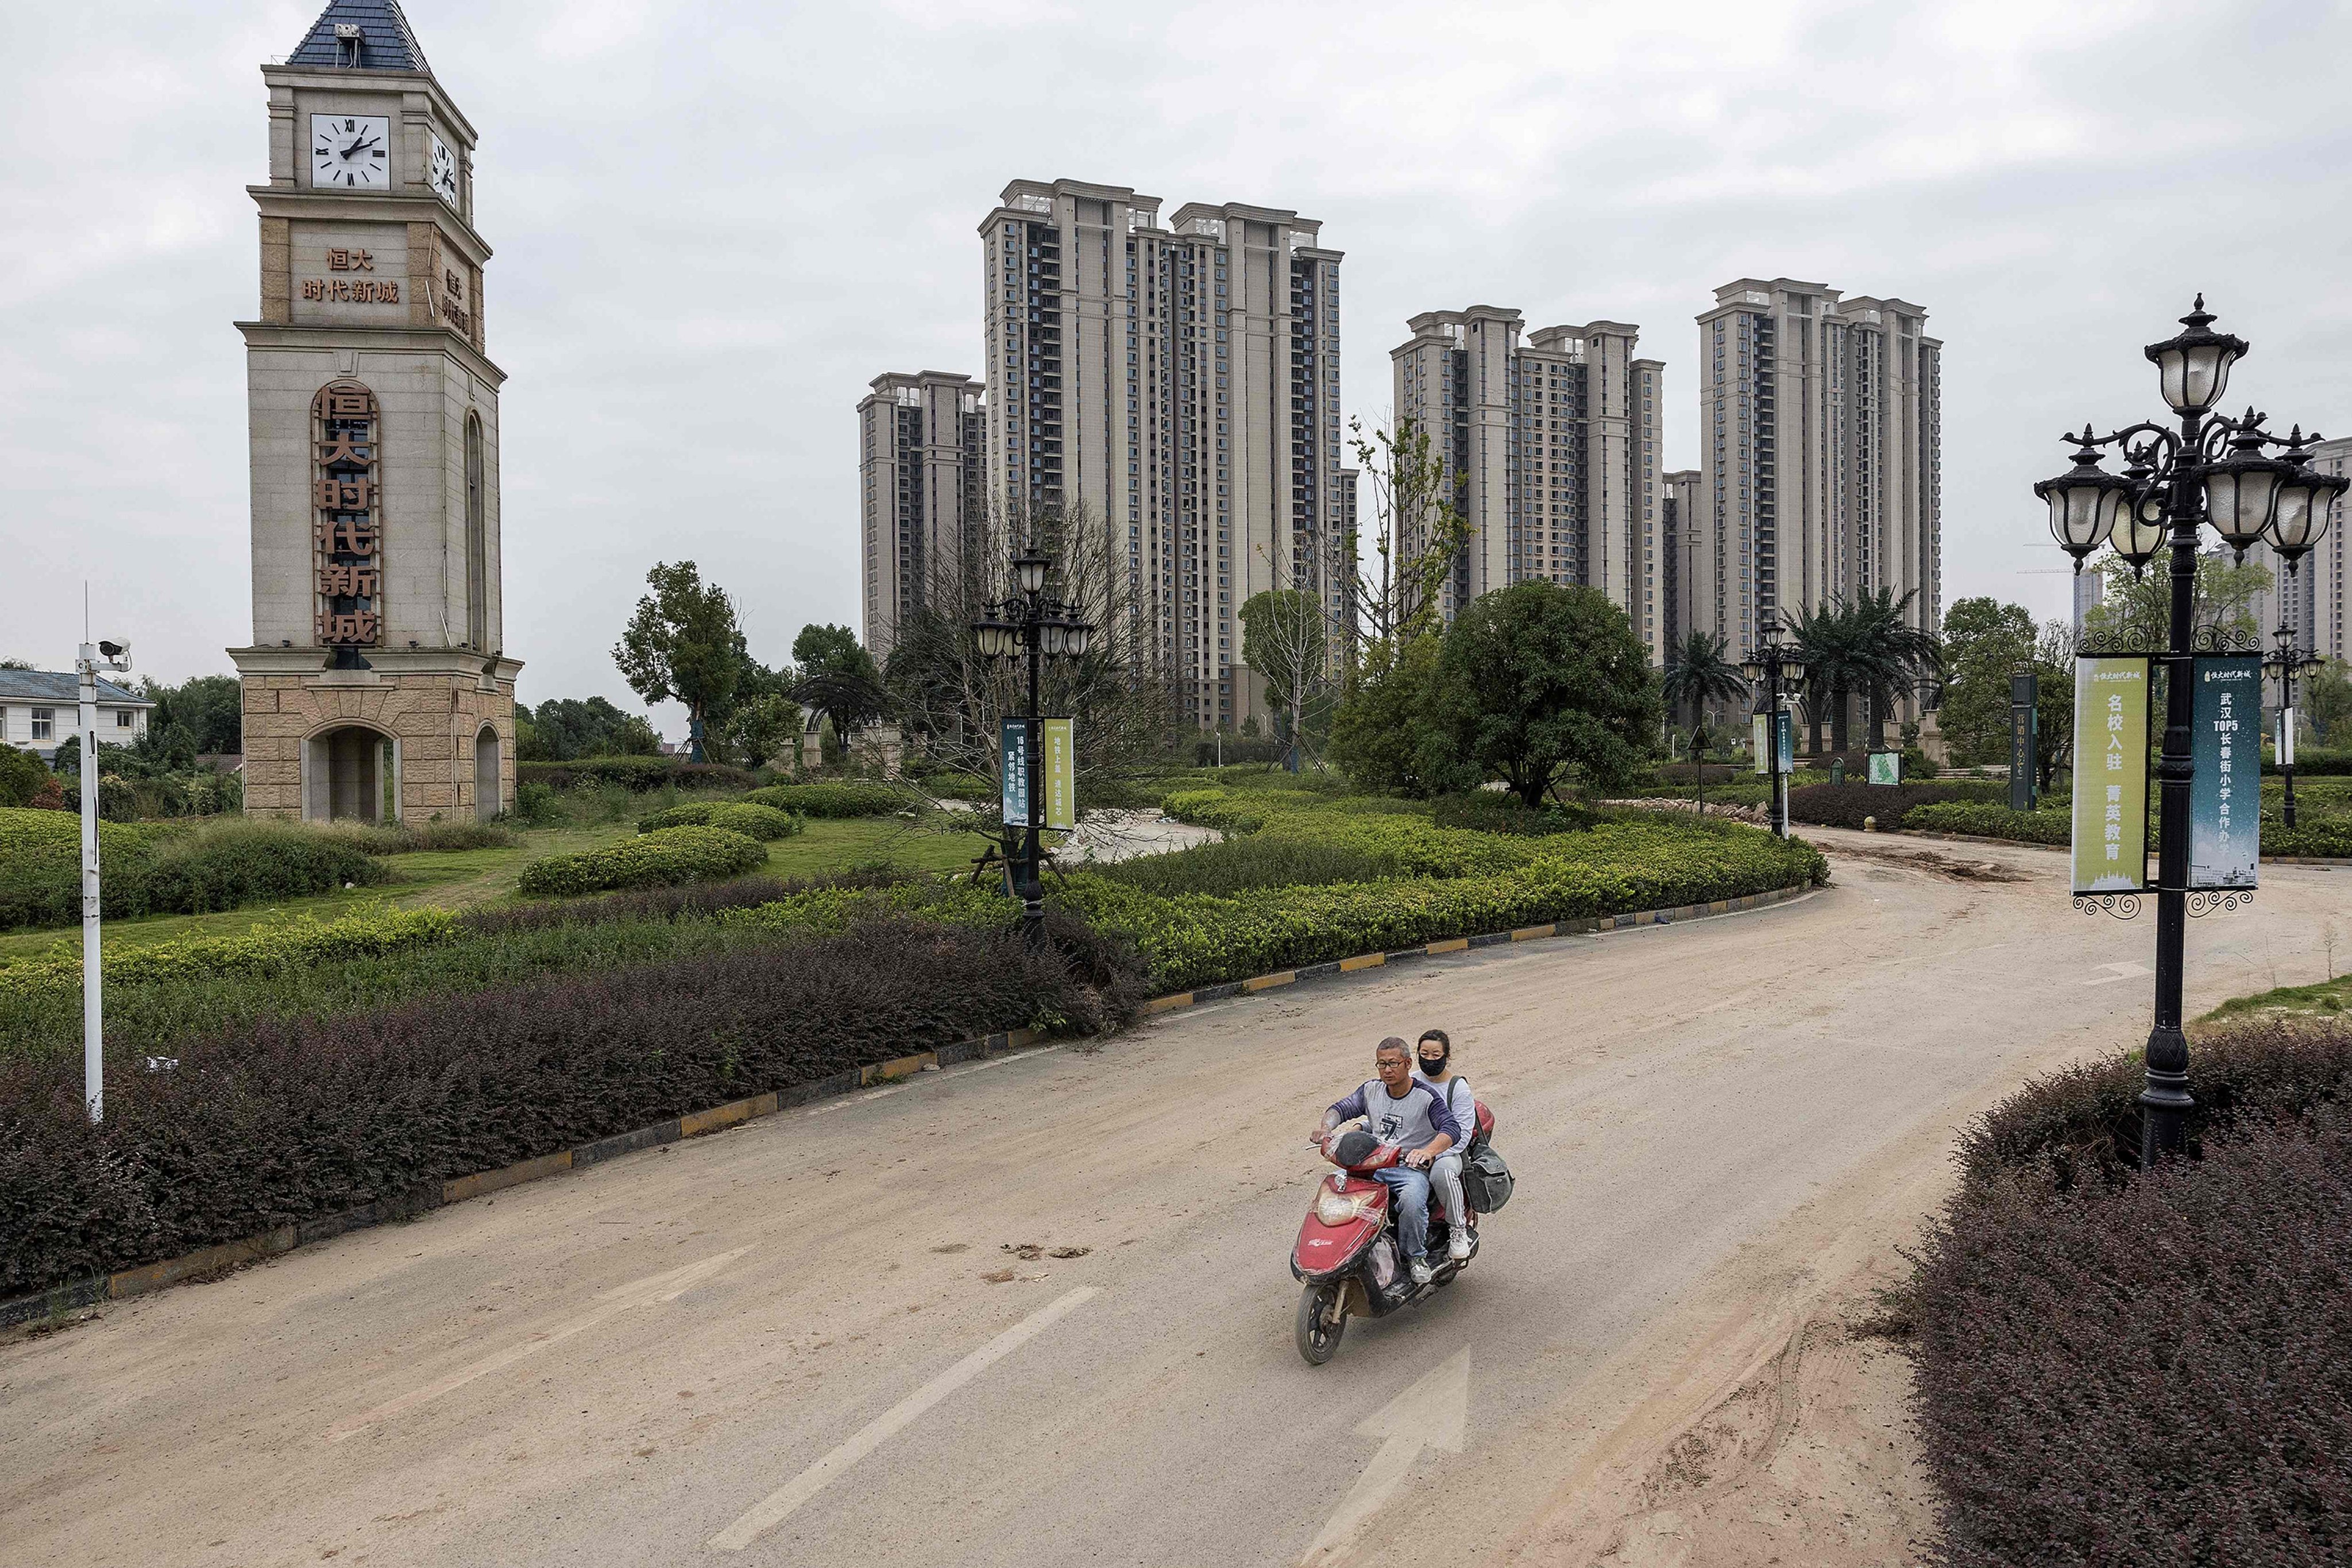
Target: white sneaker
[1421, 1272]
[1457, 1246]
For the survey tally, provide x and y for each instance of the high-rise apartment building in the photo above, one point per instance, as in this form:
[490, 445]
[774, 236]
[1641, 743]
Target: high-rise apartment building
[920, 488]
[2312, 601]
[1180, 385]
[1677, 553]
[1550, 444]
[1820, 456]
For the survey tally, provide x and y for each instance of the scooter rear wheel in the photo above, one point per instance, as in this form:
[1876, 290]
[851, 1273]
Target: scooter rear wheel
[1320, 1323]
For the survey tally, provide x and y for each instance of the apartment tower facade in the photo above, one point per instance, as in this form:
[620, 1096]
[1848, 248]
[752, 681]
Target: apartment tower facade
[1181, 384]
[1821, 471]
[1550, 444]
[920, 438]
[1677, 550]
[2311, 602]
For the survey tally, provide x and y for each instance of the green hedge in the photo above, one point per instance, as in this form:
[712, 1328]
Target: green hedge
[834, 799]
[640, 775]
[154, 868]
[761, 822]
[280, 945]
[665, 858]
[1468, 883]
[1982, 820]
[2315, 762]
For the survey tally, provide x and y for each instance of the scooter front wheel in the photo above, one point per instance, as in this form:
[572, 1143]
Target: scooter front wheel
[1320, 1322]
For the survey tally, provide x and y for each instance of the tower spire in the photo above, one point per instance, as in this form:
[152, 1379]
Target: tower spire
[361, 35]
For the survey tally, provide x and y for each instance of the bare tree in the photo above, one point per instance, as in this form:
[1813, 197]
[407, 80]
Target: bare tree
[950, 700]
[1419, 532]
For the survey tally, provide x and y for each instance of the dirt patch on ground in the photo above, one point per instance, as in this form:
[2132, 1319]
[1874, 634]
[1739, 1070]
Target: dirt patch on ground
[1810, 1460]
[1951, 868]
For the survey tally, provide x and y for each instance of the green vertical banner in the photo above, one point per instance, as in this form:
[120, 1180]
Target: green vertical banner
[1787, 741]
[1762, 747]
[2225, 795]
[1061, 774]
[1015, 734]
[2110, 774]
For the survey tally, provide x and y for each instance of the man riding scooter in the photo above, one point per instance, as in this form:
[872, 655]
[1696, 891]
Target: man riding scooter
[1406, 1112]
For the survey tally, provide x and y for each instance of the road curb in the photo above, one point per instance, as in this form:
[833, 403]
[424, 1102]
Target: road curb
[125, 1283]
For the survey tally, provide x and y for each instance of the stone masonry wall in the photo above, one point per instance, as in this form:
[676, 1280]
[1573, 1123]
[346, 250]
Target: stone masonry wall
[434, 717]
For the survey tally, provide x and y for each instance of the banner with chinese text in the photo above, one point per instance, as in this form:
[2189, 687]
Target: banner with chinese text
[1016, 759]
[1061, 780]
[2111, 698]
[2225, 795]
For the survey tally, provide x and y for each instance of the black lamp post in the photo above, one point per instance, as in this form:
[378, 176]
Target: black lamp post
[2287, 662]
[1766, 667]
[1027, 621]
[2210, 470]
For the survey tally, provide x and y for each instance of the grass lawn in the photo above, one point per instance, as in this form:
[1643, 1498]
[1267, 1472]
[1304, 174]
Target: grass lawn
[455, 879]
[2327, 999]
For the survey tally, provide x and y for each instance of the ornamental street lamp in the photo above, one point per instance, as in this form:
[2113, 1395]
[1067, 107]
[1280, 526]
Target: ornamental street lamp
[1027, 621]
[2210, 470]
[1766, 667]
[2287, 662]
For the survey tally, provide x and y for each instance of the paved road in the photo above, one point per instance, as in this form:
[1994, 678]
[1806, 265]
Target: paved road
[802, 1342]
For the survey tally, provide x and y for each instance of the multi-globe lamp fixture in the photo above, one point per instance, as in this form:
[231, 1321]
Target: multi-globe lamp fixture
[1027, 621]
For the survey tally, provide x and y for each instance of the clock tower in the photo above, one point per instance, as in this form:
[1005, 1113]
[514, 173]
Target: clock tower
[377, 686]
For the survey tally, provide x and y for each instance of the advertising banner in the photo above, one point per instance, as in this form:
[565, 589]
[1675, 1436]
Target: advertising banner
[2225, 796]
[1061, 774]
[1787, 741]
[2110, 774]
[1016, 753]
[2025, 718]
[1887, 767]
[2286, 738]
[1755, 743]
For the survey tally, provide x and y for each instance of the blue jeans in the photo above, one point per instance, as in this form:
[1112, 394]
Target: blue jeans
[1409, 1190]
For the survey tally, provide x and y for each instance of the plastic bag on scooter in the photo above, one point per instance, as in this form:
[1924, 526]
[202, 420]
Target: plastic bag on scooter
[1383, 1261]
[1486, 1179]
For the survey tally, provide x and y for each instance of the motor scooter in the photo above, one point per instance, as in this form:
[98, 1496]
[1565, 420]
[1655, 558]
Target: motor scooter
[1347, 1259]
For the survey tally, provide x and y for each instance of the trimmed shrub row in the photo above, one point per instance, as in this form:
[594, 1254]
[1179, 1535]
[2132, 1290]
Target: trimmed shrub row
[2148, 1367]
[1982, 819]
[639, 775]
[152, 870]
[298, 1119]
[2315, 762]
[1845, 804]
[761, 822]
[833, 800]
[666, 856]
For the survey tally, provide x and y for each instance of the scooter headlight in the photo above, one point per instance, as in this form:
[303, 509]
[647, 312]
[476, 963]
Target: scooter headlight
[1340, 1208]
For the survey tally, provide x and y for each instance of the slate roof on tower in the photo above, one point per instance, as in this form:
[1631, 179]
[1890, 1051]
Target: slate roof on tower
[385, 42]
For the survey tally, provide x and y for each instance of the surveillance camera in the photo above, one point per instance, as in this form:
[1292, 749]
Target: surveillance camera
[114, 649]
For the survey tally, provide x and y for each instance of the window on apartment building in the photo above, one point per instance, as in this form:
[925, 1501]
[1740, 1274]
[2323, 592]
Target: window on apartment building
[45, 724]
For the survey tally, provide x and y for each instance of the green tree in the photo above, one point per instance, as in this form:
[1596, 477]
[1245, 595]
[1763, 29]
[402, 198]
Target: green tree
[683, 645]
[759, 729]
[1419, 532]
[1699, 677]
[2324, 698]
[837, 679]
[1538, 678]
[204, 715]
[1863, 646]
[2136, 612]
[1383, 732]
[563, 728]
[1984, 642]
[22, 775]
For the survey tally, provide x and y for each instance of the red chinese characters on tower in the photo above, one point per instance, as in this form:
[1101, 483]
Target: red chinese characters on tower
[346, 525]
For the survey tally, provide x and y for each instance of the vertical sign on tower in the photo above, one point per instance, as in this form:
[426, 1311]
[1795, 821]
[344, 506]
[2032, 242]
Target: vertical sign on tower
[1016, 753]
[2024, 733]
[2225, 748]
[2111, 698]
[1061, 781]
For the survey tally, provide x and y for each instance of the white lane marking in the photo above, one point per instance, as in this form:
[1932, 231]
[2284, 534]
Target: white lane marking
[2115, 971]
[664, 1286]
[777, 1505]
[1433, 1414]
[844, 1102]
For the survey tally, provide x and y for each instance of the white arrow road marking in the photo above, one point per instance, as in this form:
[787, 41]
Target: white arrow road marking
[2119, 972]
[1432, 1414]
[664, 1287]
[777, 1505]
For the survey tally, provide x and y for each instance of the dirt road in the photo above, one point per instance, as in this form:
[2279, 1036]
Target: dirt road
[806, 1341]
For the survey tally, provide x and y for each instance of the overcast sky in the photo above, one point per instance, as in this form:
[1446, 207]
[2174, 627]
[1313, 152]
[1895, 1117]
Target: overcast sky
[715, 222]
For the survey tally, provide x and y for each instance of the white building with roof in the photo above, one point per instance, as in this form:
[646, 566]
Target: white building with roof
[40, 708]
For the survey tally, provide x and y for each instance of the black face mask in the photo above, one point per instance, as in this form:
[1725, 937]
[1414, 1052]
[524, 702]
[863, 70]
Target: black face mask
[1431, 1066]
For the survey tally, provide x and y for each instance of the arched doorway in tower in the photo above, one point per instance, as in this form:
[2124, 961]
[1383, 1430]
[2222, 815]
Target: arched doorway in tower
[486, 804]
[350, 773]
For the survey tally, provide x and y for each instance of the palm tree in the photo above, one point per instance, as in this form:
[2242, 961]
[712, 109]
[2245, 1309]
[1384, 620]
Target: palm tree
[1863, 647]
[1825, 637]
[1698, 674]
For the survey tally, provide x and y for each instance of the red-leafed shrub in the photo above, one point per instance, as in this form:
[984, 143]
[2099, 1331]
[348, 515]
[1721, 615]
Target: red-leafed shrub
[299, 1118]
[2117, 1366]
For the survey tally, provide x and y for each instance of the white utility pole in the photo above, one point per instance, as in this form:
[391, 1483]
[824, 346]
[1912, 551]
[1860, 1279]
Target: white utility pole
[93, 1035]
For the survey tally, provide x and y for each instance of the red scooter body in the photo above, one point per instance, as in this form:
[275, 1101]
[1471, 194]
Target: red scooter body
[1334, 1257]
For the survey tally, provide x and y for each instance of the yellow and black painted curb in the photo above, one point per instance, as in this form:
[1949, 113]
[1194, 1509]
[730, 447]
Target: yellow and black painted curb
[127, 1282]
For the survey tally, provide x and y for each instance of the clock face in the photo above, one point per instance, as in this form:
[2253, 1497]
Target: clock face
[443, 173]
[351, 151]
